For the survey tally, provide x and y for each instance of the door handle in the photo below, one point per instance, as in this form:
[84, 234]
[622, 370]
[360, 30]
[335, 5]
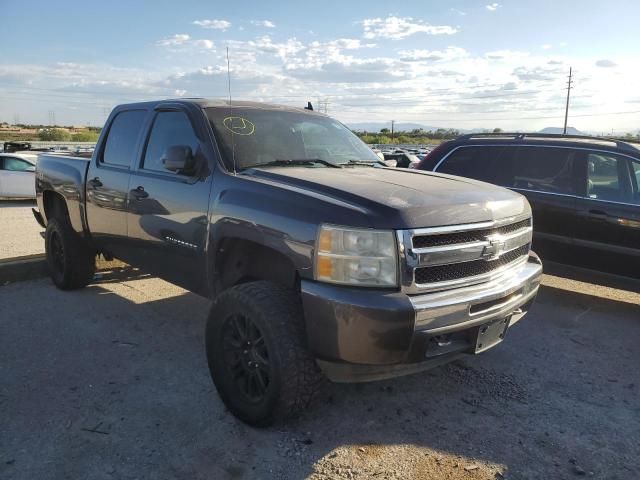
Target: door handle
[598, 214]
[95, 182]
[138, 193]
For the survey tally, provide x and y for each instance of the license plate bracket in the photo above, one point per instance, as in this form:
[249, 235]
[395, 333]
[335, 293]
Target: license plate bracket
[490, 334]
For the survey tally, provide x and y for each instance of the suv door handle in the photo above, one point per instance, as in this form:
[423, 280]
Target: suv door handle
[138, 193]
[95, 182]
[598, 214]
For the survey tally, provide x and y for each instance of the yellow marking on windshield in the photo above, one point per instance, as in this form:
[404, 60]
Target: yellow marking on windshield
[239, 125]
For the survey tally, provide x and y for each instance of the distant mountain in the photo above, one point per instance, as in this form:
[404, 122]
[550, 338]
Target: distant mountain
[558, 130]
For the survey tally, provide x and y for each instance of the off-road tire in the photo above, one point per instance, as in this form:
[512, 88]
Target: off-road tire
[295, 378]
[71, 261]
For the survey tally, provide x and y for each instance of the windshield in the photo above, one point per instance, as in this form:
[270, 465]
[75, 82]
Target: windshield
[259, 137]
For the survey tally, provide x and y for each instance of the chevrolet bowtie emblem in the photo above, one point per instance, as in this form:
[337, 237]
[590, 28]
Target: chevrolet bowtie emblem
[494, 249]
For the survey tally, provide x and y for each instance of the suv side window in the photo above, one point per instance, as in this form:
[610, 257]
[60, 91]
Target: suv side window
[169, 128]
[122, 138]
[607, 177]
[544, 169]
[479, 163]
[635, 170]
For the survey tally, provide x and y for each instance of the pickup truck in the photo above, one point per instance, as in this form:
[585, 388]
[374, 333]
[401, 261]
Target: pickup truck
[320, 262]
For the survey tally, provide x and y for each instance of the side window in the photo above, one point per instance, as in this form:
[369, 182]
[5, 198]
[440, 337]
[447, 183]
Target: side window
[479, 163]
[123, 135]
[169, 128]
[635, 169]
[545, 169]
[606, 177]
[15, 164]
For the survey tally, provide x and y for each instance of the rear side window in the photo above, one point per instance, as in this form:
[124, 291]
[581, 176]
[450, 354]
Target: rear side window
[479, 163]
[122, 139]
[635, 169]
[544, 169]
[169, 128]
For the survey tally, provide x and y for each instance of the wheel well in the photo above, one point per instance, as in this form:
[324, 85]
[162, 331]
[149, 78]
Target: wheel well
[241, 261]
[54, 205]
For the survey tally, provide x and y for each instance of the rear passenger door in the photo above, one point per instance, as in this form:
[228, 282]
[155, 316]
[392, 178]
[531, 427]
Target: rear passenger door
[167, 217]
[108, 181]
[609, 210]
[546, 176]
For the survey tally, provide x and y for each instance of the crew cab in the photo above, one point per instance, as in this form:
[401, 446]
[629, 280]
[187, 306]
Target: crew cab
[319, 260]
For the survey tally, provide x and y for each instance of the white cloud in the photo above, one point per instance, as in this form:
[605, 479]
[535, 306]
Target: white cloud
[174, 41]
[492, 7]
[213, 24]
[206, 44]
[505, 54]
[418, 55]
[547, 46]
[459, 12]
[396, 28]
[182, 41]
[606, 63]
[263, 23]
[280, 49]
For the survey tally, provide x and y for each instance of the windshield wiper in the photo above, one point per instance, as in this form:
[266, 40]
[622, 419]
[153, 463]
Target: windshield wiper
[294, 162]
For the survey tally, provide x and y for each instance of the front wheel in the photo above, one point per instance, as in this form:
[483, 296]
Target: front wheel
[257, 354]
[71, 261]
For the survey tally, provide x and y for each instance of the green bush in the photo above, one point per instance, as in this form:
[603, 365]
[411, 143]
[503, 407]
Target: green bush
[54, 135]
[85, 137]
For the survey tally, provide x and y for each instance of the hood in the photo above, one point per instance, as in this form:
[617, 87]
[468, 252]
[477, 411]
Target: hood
[399, 198]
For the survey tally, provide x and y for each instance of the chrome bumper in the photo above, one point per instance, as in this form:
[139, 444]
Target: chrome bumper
[462, 308]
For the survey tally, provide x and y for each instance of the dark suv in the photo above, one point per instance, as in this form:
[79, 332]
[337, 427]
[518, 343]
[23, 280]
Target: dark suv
[584, 191]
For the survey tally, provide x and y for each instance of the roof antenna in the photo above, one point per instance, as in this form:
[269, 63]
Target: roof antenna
[233, 139]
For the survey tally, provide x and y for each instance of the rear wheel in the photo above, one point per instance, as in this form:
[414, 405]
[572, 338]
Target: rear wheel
[71, 261]
[257, 354]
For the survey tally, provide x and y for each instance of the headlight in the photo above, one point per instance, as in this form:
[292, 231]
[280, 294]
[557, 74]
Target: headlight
[356, 257]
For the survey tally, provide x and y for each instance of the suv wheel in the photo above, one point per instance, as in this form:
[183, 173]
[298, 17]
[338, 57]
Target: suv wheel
[257, 354]
[71, 261]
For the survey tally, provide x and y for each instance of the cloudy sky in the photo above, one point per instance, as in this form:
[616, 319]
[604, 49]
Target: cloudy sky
[462, 64]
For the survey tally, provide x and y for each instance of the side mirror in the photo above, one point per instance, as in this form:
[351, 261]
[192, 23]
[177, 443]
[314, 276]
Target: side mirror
[179, 159]
[30, 169]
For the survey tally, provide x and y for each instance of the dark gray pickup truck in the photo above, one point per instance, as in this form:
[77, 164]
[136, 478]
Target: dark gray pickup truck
[320, 262]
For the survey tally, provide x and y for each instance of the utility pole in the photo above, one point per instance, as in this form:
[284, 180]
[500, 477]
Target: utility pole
[566, 111]
[392, 125]
[52, 118]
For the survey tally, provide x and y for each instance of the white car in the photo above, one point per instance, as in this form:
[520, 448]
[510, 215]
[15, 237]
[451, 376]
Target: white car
[17, 175]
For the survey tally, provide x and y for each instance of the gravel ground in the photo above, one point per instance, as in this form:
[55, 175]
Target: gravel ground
[111, 383]
[19, 231]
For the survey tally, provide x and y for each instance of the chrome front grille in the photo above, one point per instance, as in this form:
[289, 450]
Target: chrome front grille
[446, 257]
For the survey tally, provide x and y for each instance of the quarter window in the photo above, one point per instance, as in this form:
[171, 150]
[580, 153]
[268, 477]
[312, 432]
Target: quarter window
[123, 135]
[479, 163]
[169, 128]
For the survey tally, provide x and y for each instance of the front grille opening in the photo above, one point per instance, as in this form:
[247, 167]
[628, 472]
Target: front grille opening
[490, 305]
[456, 271]
[437, 240]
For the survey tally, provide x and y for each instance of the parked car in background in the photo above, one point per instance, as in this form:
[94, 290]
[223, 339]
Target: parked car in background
[584, 191]
[17, 175]
[403, 159]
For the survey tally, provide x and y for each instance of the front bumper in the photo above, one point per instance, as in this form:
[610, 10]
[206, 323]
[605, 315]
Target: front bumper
[361, 334]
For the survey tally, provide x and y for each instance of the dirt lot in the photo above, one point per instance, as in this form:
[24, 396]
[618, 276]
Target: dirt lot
[19, 231]
[111, 382]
